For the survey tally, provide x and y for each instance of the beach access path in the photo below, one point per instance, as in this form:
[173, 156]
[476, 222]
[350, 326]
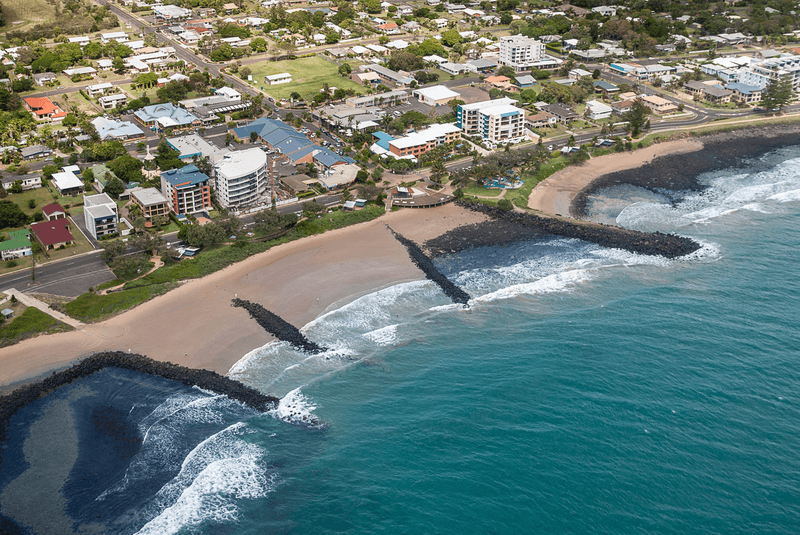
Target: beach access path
[554, 194]
[195, 324]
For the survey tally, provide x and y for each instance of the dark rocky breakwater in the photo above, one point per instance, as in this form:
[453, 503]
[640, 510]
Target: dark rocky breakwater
[205, 379]
[673, 174]
[425, 264]
[655, 244]
[278, 327]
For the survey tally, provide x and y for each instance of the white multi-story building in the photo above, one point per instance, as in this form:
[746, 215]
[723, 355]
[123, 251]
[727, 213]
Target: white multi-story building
[520, 53]
[758, 74]
[241, 177]
[100, 214]
[496, 121]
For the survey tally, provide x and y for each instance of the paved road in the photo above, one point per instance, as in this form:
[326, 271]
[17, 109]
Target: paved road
[69, 278]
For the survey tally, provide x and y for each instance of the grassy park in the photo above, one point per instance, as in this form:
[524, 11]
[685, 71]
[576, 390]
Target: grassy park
[308, 75]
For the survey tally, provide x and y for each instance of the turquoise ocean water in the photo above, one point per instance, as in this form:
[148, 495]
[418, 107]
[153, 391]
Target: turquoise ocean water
[586, 390]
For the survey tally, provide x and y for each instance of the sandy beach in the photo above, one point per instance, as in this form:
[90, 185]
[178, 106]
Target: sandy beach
[194, 325]
[555, 194]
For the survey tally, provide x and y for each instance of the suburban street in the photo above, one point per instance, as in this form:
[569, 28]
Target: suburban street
[70, 277]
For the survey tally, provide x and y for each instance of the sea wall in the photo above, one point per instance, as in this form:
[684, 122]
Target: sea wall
[680, 172]
[205, 379]
[426, 265]
[278, 327]
[656, 243]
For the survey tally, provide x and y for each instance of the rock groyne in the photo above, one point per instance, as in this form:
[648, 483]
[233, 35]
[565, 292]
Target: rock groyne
[654, 244]
[208, 380]
[425, 264]
[278, 327]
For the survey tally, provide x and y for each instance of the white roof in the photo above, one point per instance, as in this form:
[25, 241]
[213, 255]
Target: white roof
[358, 49]
[598, 107]
[377, 48]
[241, 162]
[424, 136]
[97, 87]
[399, 44]
[279, 76]
[67, 180]
[486, 104]
[437, 92]
[434, 58]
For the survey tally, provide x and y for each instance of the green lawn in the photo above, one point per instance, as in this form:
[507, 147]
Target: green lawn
[474, 189]
[28, 322]
[520, 196]
[308, 75]
[91, 307]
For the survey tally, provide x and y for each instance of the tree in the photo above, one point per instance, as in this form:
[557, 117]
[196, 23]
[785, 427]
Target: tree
[455, 103]
[114, 187]
[505, 204]
[11, 215]
[345, 69]
[596, 74]
[127, 168]
[118, 65]
[636, 117]
[451, 37]
[245, 72]
[111, 250]
[777, 93]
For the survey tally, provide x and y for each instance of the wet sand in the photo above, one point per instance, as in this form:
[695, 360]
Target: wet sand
[195, 324]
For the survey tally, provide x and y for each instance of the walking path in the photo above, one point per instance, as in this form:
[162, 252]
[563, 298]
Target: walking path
[29, 301]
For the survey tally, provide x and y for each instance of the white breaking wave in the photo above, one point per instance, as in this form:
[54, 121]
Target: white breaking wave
[219, 472]
[296, 408]
[558, 282]
[787, 196]
[384, 336]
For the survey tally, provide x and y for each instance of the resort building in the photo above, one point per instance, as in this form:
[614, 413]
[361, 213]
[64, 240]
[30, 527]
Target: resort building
[151, 202]
[418, 143]
[241, 178]
[494, 120]
[520, 53]
[783, 67]
[52, 234]
[100, 214]
[744, 93]
[188, 191]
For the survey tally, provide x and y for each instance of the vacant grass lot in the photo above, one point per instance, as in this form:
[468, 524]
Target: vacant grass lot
[28, 323]
[90, 307]
[31, 12]
[308, 75]
[472, 188]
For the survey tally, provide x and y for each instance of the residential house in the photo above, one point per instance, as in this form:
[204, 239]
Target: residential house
[53, 234]
[658, 104]
[44, 109]
[98, 89]
[597, 111]
[606, 88]
[100, 215]
[563, 114]
[18, 245]
[390, 28]
[44, 78]
[27, 182]
[110, 102]
[499, 82]
[541, 120]
[275, 79]
[34, 151]
[525, 81]
[621, 107]
[67, 183]
[453, 68]
[53, 211]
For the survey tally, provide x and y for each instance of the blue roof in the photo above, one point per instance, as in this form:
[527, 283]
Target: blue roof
[186, 176]
[278, 135]
[383, 139]
[296, 155]
[152, 113]
[745, 89]
[292, 144]
[328, 158]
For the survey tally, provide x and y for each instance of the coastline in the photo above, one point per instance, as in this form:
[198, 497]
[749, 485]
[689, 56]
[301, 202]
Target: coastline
[670, 165]
[195, 325]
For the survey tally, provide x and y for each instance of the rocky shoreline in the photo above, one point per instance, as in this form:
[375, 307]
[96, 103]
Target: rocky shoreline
[208, 380]
[680, 172]
[278, 327]
[654, 244]
[425, 264]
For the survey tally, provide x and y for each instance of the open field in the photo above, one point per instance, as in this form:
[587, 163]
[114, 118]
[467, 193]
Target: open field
[30, 12]
[26, 323]
[308, 75]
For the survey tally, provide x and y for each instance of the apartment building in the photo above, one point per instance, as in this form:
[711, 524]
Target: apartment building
[188, 191]
[100, 214]
[520, 53]
[151, 202]
[241, 177]
[418, 143]
[494, 120]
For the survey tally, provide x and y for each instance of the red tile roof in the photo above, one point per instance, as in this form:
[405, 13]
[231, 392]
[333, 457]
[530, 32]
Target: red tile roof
[43, 106]
[52, 232]
[53, 208]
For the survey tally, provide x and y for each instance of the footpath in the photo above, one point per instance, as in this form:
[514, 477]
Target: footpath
[29, 301]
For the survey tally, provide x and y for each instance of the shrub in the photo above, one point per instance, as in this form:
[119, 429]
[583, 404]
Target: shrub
[505, 204]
